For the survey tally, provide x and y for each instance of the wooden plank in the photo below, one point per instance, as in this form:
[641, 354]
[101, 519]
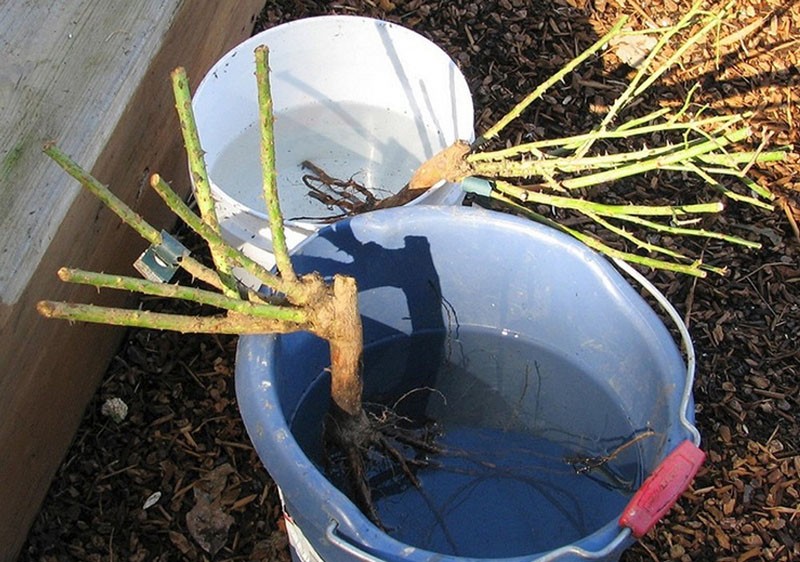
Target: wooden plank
[109, 104]
[68, 73]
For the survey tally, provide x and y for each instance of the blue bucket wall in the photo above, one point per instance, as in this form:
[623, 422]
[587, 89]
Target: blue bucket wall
[491, 270]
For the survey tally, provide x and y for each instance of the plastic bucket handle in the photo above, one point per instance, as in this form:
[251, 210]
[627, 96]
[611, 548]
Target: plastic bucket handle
[341, 542]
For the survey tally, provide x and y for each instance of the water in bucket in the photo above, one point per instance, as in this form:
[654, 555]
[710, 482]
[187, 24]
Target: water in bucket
[518, 424]
[375, 146]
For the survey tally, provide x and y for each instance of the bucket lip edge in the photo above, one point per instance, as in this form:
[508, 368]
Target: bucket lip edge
[614, 541]
[256, 39]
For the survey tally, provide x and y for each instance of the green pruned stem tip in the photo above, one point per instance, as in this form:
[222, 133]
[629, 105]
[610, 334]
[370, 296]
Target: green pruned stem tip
[268, 170]
[197, 168]
[125, 213]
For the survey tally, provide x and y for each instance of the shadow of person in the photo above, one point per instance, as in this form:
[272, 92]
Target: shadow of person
[404, 317]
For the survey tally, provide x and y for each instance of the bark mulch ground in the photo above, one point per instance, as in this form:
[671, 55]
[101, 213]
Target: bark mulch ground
[140, 489]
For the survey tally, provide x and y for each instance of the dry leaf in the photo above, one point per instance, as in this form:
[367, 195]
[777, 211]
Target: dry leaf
[208, 524]
[632, 49]
[214, 482]
[181, 543]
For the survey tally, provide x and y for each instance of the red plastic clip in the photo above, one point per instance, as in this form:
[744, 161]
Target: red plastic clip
[662, 488]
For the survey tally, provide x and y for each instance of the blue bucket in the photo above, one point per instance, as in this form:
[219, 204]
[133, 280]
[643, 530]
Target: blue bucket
[566, 405]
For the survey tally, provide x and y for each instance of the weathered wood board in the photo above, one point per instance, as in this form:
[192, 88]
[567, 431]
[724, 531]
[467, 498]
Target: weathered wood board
[94, 77]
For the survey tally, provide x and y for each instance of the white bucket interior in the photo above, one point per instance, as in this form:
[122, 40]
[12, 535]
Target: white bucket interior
[358, 97]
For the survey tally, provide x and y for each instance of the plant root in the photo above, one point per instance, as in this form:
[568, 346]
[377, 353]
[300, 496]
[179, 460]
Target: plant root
[349, 196]
[364, 451]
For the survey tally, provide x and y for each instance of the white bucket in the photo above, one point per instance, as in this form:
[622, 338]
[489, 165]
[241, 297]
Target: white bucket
[358, 97]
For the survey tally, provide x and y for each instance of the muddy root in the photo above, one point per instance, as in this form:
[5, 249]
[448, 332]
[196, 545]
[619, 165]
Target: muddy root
[362, 450]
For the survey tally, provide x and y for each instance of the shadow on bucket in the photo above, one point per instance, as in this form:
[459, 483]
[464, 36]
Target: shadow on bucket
[555, 390]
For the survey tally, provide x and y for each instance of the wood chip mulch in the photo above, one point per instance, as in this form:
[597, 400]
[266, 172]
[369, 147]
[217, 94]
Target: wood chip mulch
[177, 479]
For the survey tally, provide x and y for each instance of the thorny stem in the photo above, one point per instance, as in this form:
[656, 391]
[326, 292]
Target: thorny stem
[681, 231]
[269, 173]
[527, 168]
[670, 157]
[292, 315]
[126, 214]
[631, 238]
[638, 121]
[695, 269]
[646, 245]
[751, 185]
[715, 21]
[701, 153]
[716, 143]
[735, 158]
[660, 157]
[297, 292]
[517, 110]
[530, 196]
[618, 133]
[730, 194]
[229, 324]
[197, 167]
[628, 95]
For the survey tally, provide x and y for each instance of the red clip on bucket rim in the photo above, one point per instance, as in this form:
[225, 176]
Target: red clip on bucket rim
[662, 488]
